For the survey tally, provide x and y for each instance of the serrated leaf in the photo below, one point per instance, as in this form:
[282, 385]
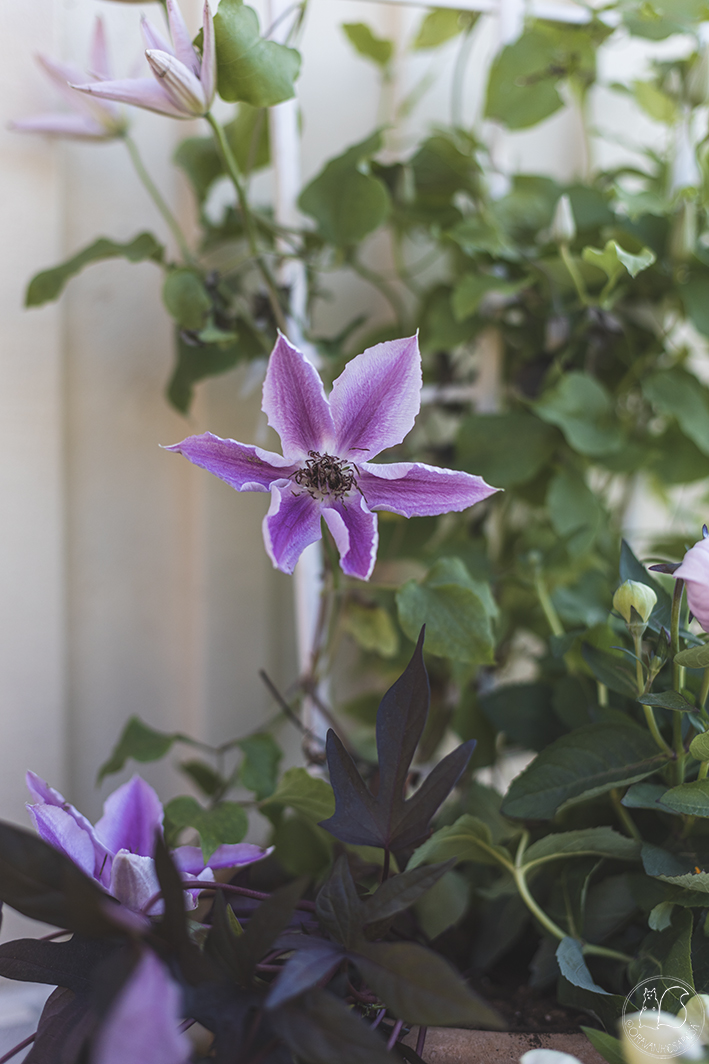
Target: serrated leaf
[693, 657]
[141, 743]
[699, 747]
[468, 839]
[643, 795]
[368, 44]
[419, 986]
[581, 407]
[668, 700]
[599, 842]
[589, 761]
[306, 794]
[48, 285]
[259, 769]
[346, 203]
[690, 798]
[573, 966]
[660, 916]
[249, 68]
[389, 820]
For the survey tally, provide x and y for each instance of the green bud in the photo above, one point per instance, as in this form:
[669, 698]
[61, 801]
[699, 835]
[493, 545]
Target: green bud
[697, 81]
[635, 602]
[563, 225]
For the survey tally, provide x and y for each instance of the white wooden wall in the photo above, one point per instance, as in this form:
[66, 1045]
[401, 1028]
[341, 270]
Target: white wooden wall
[130, 581]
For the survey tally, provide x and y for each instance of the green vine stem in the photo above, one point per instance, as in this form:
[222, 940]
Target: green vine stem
[249, 226]
[677, 678]
[574, 273]
[546, 603]
[382, 285]
[624, 816]
[647, 710]
[157, 198]
[703, 691]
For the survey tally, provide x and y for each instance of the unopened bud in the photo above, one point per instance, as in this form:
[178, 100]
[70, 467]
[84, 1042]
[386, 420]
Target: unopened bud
[181, 85]
[635, 602]
[697, 83]
[563, 224]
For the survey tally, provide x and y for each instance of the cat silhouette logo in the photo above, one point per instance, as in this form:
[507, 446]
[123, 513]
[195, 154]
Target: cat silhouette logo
[663, 1017]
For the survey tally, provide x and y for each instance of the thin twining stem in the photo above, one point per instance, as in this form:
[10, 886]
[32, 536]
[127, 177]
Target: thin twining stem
[18, 1048]
[228, 888]
[158, 199]
[394, 1036]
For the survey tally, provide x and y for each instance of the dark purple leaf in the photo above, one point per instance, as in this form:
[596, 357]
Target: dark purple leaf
[266, 924]
[419, 986]
[339, 908]
[66, 1024]
[388, 820]
[402, 891]
[66, 964]
[312, 962]
[664, 567]
[320, 1029]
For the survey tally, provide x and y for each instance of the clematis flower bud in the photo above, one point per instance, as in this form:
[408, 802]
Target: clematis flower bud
[635, 602]
[563, 224]
[694, 570]
[697, 83]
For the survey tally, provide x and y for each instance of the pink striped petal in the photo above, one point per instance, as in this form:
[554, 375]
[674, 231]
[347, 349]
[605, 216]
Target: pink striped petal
[354, 529]
[153, 38]
[376, 398]
[132, 816]
[416, 490]
[694, 570]
[183, 47]
[294, 400]
[208, 72]
[76, 127]
[245, 467]
[291, 524]
[142, 1025]
[139, 92]
[100, 63]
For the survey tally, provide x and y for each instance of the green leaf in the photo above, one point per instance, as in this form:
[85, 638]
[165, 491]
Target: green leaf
[693, 657]
[259, 769]
[643, 796]
[574, 511]
[587, 762]
[371, 627]
[520, 90]
[367, 44]
[304, 793]
[199, 160]
[660, 916]
[582, 408]
[346, 202]
[419, 986]
[699, 747]
[140, 742]
[208, 781]
[524, 713]
[456, 610]
[302, 848]
[473, 287]
[614, 259]
[608, 668]
[400, 892]
[226, 822]
[601, 842]
[250, 68]
[690, 798]
[443, 905]
[654, 102]
[668, 700]
[468, 839]
[679, 394]
[197, 361]
[694, 297]
[247, 134]
[573, 966]
[504, 449]
[609, 1047]
[48, 285]
[186, 298]
[441, 25]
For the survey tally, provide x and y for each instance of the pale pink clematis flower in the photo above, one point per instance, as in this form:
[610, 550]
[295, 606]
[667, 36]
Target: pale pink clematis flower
[182, 86]
[694, 570]
[142, 1025]
[93, 119]
[325, 470]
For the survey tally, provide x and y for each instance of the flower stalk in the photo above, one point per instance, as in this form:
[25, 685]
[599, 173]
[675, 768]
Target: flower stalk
[158, 199]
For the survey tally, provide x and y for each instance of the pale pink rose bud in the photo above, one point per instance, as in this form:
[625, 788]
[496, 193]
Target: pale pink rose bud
[694, 570]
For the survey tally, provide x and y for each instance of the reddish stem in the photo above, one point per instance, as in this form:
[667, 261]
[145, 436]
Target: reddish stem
[421, 1040]
[228, 888]
[20, 1046]
[394, 1036]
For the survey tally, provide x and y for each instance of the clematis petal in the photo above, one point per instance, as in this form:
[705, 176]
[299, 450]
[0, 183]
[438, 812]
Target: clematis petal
[134, 882]
[45, 796]
[142, 1024]
[245, 467]
[294, 400]
[376, 398]
[100, 63]
[152, 37]
[291, 524]
[181, 39]
[131, 817]
[417, 490]
[208, 71]
[57, 827]
[184, 89]
[139, 92]
[77, 127]
[229, 855]
[694, 570]
[354, 529]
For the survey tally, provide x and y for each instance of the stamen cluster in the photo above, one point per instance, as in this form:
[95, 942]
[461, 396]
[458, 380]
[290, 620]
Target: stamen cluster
[324, 474]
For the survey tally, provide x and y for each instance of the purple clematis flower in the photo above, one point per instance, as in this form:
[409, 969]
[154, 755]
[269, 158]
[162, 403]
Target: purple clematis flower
[118, 850]
[93, 119]
[142, 1026]
[694, 570]
[326, 469]
[182, 86]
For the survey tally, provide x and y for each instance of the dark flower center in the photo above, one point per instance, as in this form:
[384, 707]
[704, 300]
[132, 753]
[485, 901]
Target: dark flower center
[324, 474]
